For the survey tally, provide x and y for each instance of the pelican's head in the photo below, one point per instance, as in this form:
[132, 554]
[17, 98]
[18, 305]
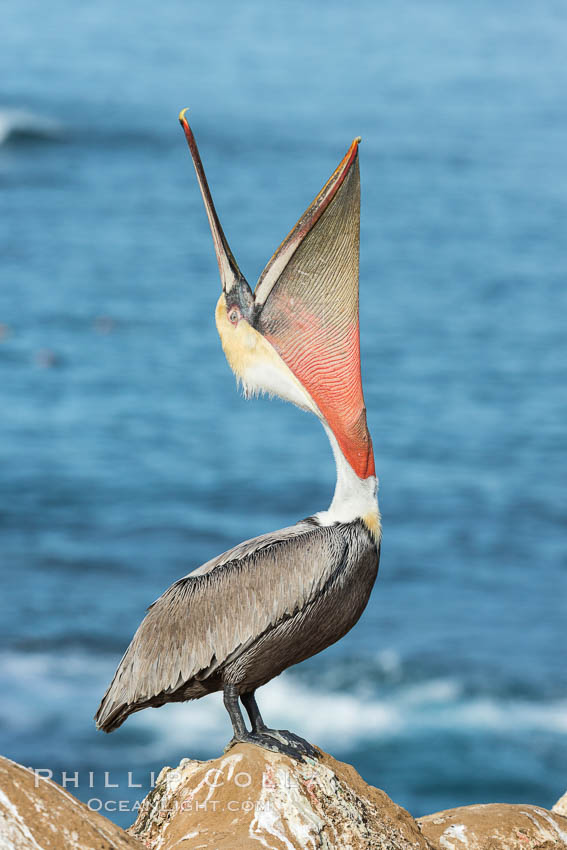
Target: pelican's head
[297, 335]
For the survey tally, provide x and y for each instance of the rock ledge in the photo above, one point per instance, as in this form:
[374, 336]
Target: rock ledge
[254, 798]
[251, 797]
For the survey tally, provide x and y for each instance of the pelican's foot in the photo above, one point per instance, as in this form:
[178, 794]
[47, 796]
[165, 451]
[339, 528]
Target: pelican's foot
[275, 743]
[297, 743]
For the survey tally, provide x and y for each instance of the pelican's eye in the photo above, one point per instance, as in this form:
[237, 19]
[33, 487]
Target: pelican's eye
[234, 315]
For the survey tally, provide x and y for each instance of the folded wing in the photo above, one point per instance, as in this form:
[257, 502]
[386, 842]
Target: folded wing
[217, 611]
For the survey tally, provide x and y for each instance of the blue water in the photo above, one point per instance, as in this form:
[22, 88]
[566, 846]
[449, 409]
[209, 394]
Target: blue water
[127, 457]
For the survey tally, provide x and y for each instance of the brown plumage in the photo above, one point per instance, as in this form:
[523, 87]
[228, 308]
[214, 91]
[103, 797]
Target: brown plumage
[244, 617]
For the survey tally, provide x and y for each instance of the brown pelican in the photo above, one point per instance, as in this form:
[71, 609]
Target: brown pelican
[239, 620]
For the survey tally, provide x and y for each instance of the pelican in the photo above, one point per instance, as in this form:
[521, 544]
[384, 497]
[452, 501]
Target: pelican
[239, 620]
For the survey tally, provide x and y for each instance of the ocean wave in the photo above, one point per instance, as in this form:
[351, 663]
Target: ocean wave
[342, 721]
[336, 719]
[26, 125]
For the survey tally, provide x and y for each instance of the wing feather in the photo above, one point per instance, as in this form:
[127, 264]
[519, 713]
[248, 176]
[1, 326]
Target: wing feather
[218, 610]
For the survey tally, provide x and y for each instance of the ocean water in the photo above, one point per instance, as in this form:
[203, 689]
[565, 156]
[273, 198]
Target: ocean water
[127, 456]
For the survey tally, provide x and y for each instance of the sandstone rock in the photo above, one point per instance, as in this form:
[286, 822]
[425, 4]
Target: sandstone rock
[37, 814]
[561, 805]
[254, 798]
[496, 826]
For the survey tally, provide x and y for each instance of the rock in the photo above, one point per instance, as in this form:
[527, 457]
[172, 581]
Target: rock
[561, 805]
[496, 826]
[255, 798]
[37, 814]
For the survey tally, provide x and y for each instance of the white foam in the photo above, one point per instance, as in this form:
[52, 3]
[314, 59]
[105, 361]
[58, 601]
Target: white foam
[329, 717]
[14, 121]
[339, 720]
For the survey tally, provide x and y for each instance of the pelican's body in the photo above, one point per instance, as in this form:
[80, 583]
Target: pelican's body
[244, 617]
[248, 615]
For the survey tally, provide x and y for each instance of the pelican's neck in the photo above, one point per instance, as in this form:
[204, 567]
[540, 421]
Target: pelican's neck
[354, 498]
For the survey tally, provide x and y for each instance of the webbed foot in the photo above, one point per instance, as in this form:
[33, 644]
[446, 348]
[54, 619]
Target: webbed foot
[296, 742]
[274, 742]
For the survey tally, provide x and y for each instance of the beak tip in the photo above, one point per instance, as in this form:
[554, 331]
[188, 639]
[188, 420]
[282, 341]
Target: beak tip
[358, 140]
[182, 119]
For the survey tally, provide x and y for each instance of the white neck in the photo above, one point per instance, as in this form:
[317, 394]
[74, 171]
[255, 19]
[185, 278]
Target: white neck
[354, 498]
